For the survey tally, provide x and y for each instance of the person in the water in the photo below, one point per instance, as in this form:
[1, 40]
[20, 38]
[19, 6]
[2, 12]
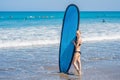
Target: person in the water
[103, 20]
[76, 59]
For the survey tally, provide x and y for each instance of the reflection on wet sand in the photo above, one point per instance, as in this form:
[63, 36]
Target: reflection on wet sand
[69, 76]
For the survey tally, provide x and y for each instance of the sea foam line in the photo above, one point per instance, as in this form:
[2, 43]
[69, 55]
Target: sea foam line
[9, 44]
[101, 38]
[27, 43]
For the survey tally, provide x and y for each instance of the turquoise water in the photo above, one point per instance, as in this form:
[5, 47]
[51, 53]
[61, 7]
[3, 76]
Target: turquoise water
[33, 28]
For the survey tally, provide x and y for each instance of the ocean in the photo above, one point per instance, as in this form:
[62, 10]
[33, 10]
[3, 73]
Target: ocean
[29, 45]
[42, 28]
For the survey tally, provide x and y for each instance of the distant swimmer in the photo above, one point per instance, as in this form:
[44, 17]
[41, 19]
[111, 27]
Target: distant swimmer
[10, 16]
[103, 21]
[25, 18]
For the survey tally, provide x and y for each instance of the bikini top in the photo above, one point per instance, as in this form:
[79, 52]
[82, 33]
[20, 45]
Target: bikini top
[76, 42]
[79, 44]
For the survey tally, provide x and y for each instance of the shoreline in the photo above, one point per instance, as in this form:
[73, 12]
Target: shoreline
[100, 61]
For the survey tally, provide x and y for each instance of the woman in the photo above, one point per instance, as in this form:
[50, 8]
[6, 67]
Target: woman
[76, 58]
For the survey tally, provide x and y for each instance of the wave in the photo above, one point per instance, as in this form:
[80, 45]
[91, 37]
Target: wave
[50, 34]
[10, 44]
[101, 38]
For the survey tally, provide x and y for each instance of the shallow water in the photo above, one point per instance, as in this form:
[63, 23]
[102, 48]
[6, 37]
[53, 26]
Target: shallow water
[41, 62]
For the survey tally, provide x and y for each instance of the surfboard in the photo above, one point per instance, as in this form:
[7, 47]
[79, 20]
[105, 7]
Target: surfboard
[68, 34]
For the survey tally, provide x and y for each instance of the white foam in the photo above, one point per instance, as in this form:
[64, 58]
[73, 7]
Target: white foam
[101, 38]
[49, 34]
[100, 31]
[29, 36]
[27, 43]
[9, 44]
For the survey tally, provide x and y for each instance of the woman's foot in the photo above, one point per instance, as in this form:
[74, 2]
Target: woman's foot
[79, 72]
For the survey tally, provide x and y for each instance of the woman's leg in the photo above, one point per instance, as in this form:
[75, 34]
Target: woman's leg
[79, 63]
[75, 58]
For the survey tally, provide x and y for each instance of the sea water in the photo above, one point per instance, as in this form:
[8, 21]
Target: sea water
[42, 28]
[29, 42]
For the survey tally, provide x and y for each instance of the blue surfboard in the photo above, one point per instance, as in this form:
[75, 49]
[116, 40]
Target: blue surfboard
[68, 34]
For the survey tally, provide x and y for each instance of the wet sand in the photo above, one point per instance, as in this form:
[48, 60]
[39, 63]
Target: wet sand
[95, 72]
[99, 62]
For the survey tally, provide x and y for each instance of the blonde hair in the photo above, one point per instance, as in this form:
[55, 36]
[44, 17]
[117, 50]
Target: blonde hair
[78, 31]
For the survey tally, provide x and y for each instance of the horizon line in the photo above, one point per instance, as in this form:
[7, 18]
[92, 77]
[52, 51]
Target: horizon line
[63, 11]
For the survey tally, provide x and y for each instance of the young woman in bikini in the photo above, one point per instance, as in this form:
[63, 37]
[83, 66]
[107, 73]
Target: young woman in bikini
[76, 58]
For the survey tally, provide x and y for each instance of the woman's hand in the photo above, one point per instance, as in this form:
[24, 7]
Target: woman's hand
[73, 42]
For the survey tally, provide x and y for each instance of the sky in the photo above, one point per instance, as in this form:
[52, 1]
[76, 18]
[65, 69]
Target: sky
[59, 5]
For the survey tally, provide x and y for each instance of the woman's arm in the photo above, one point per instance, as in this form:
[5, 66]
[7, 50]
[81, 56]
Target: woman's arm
[78, 43]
